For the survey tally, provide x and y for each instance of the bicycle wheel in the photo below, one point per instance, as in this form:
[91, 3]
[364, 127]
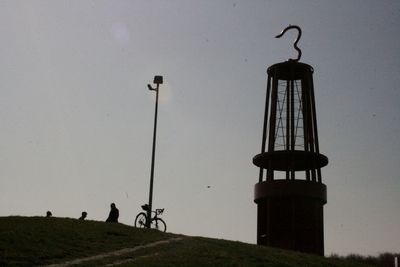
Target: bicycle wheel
[140, 221]
[159, 224]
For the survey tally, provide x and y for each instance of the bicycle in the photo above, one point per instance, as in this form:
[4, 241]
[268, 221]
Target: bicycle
[156, 223]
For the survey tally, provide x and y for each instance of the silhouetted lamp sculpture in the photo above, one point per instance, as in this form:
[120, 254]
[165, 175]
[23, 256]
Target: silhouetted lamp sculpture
[157, 81]
[290, 194]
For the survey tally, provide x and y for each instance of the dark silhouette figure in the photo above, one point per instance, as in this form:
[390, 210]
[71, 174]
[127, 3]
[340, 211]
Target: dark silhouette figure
[83, 216]
[48, 214]
[114, 214]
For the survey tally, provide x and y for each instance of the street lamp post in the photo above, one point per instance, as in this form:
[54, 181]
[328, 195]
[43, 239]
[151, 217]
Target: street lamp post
[157, 80]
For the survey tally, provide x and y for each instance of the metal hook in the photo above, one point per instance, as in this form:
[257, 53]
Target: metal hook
[295, 42]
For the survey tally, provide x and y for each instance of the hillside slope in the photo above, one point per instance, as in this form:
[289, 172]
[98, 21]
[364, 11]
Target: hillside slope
[30, 241]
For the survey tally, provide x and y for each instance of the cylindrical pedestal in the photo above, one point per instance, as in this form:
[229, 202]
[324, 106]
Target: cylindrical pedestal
[290, 215]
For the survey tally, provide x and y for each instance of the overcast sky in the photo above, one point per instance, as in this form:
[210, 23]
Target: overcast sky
[76, 117]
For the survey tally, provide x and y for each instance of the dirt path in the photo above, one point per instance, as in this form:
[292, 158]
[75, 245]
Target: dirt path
[117, 253]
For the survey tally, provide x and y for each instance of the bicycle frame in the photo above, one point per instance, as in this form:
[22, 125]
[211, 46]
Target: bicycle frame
[141, 220]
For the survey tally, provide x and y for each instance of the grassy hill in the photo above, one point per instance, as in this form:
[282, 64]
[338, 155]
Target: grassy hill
[32, 241]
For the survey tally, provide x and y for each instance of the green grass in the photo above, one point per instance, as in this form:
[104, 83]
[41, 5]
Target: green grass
[27, 241]
[205, 252]
[30, 241]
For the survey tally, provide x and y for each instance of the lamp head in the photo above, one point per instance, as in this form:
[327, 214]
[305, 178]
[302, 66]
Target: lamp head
[158, 79]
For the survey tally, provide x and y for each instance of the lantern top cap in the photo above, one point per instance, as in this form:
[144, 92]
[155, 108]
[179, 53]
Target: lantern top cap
[290, 70]
[295, 42]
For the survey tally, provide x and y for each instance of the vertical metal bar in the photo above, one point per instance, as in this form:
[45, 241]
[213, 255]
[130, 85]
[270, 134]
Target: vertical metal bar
[304, 97]
[292, 133]
[288, 100]
[272, 122]
[264, 136]
[310, 120]
[288, 117]
[315, 130]
[152, 162]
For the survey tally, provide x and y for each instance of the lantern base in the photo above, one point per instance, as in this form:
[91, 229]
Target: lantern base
[290, 215]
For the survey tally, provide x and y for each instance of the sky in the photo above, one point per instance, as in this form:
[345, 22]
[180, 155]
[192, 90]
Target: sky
[76, 117]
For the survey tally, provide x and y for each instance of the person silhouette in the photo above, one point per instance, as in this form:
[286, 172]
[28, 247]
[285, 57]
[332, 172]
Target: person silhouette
[48, 214]
[114, 214]
[83, 216]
